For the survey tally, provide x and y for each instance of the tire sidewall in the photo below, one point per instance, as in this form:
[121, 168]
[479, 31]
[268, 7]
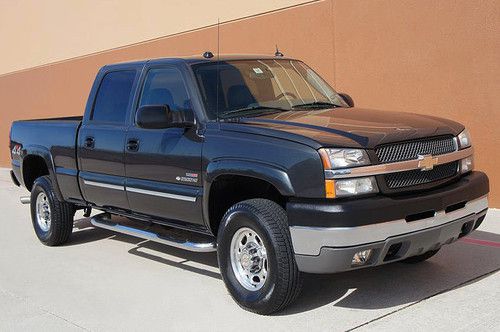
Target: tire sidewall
[234, 220]
[42, 184]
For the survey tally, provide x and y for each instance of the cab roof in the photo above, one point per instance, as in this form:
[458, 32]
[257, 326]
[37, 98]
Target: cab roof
[194, 59]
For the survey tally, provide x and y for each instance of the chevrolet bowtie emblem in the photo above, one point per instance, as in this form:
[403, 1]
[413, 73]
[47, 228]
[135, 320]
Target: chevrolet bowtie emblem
[426, 162]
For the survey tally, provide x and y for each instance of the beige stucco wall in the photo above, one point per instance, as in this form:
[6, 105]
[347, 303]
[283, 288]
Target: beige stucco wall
[35, 32]
[430, 57]
[439, 58]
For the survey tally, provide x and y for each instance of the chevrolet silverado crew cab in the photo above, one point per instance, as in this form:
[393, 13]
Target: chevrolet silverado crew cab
[254, 157]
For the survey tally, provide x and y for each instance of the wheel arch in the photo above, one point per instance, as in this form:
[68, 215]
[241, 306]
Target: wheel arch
[37, 161]
[253, 180]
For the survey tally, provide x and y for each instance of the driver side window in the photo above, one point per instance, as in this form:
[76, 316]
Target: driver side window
[165, 86]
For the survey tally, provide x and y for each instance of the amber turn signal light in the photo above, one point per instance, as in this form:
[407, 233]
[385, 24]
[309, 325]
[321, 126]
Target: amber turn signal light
[330, 188]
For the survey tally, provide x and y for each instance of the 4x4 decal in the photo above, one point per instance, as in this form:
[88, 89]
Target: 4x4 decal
[16, 150]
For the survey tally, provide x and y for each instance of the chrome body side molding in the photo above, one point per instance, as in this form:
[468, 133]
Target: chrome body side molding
[161, 194]
[103, 185]
[140, 191]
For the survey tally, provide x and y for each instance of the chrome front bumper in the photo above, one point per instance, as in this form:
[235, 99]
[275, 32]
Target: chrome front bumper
[328, 250]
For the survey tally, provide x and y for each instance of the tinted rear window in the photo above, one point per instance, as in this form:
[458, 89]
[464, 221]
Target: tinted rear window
[113, 97]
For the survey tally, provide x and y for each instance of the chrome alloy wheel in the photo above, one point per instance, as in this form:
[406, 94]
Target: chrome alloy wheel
[43, 215]
[249, 259]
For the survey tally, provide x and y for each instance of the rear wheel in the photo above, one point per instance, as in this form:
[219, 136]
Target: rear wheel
[52, 219]
[256, 256]
[420, 258]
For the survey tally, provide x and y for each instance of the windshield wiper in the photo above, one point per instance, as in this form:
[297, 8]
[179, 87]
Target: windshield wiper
[263, 109]
[317, 104]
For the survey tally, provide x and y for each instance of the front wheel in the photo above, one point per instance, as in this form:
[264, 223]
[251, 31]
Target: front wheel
[256, 256]
[52, 219]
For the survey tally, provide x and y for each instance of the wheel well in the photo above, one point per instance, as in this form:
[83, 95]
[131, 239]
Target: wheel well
[228, 190]
[33, 167]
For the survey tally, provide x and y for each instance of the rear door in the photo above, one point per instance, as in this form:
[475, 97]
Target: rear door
[101, 139]
[163, 166]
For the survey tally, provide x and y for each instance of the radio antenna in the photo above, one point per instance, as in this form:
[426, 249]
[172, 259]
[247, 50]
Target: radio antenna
[278, 53]
[217, 71]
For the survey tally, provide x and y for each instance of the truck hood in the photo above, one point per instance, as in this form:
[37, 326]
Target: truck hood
[348, 127]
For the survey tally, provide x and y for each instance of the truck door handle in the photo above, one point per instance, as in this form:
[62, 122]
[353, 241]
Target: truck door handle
[89, 142]
[133, 145]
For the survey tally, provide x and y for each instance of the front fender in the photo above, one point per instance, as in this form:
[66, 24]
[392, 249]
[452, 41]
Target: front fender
[269, 173]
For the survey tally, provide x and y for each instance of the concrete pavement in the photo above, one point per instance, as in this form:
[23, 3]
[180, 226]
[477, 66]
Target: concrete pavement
[104, 281]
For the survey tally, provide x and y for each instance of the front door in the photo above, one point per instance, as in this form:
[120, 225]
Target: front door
[163, 166]
[101, 141]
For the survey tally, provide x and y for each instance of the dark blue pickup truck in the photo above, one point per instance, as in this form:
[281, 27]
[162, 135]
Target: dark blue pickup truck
[254, 157]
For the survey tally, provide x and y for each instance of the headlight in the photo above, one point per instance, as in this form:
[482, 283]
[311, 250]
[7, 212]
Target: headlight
[464, 139]
[343, 158]
[346, 158]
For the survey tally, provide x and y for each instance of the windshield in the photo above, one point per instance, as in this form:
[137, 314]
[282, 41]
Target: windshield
[246, 87]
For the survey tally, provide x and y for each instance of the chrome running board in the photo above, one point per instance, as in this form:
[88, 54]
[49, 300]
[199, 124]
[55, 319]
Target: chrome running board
[25, 199]
[156, 233]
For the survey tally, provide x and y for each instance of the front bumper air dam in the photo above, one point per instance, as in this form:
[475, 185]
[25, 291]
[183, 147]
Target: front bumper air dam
[394, 248]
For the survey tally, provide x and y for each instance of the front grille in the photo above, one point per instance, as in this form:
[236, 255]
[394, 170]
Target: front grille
[411, 150]
[418, 177]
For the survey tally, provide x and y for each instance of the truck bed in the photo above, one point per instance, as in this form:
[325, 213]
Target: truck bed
[58, 119]
[55, 140]
[50, 133]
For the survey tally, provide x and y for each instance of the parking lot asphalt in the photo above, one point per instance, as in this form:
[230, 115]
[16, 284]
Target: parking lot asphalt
[104, 281]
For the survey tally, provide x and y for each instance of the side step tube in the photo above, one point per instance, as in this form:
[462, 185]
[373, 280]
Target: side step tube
[25, 199]
[103, 221]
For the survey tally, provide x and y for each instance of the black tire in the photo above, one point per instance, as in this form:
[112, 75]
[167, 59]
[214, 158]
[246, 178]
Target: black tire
[61, 214]
[420, 258]
[269, 221]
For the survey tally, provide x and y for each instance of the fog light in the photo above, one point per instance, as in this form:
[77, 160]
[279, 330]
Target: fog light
[466, 164]
[357, 186]
[361, 257]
